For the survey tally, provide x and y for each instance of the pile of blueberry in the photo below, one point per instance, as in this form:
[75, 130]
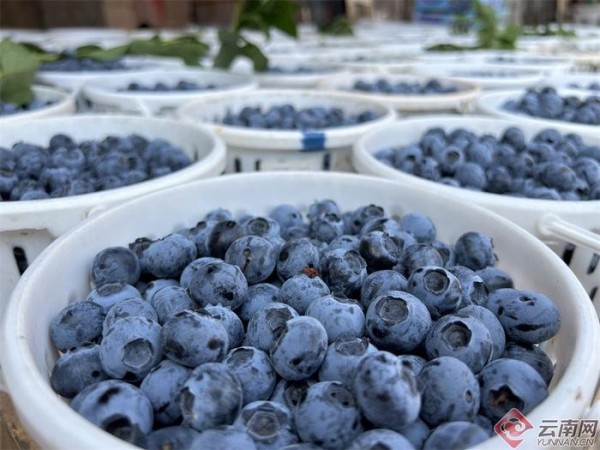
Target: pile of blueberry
[162, 87]
[593, 86]
[383, 86]
[349, 330]
[550, 166]
[73, 64]
[513, 60]
[487, 74]
[547, 103]
[65, 168]
[288, 117]
[7, 108]
[299, 70]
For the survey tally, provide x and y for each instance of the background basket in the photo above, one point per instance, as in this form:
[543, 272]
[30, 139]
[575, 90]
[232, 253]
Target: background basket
[250, 150]
[26, 228]
[569, 228]
[60, 276]
[64, 105]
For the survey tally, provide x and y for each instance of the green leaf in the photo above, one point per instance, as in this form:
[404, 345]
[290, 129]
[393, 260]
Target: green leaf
[18, 67]
[254, 22]
[101, 54]
[252, 52]
[281, 15]
[338, 27]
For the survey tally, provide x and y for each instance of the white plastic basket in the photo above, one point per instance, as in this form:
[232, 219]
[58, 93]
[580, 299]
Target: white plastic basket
[461, 101]
[516, 78]
[105, 96]
[64, 105]
[60, 276]
[73, 81]
[291, 80]
[492, 104]
[26, 228]
[560, 224]
[263, 149]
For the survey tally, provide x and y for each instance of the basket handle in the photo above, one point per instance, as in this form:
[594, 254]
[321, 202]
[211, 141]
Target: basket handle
[552, 226]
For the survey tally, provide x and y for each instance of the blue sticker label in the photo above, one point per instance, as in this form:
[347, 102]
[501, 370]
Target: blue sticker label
[313, 141]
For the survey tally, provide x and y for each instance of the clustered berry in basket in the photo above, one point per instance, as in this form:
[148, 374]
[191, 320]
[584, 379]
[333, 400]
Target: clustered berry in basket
[288, 117]
[65, 168]
[551, 166]
[383, 86]
[547, 103]
[348, 330]
[592, 86]
[162, 87]
[299, 70]
[7, 108]
[82, 65]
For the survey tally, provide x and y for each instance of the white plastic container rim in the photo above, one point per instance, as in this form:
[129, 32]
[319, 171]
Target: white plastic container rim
[492, 103]
[466, 94]
[565, 220]
[211, 112]
[59, 214]
[106, 91]
[292, 80]
[64, 104]
[74, 80]
[60, 276]
[518, 77]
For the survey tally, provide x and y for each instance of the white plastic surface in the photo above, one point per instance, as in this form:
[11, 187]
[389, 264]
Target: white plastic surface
[492, 104]
[73, 81]
[462, 100]
[60, 276]
[515, 78]
[105, 96]
[32, 225]
[555, 222]
[263, 149]
[64, 105]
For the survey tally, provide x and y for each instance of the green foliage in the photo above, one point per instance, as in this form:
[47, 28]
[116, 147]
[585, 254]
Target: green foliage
[338, 27]
[17, 72]
[261, 15]
[547, 30]
[489, 33]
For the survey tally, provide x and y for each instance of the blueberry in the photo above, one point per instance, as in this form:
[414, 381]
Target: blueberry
[379, 250]
[115, 265]
[77, 369]
[172, 438]
[259, 295]
[455, 436]
[437, 288]
[471, 175]
[76, 325]
[299, 349]
[169, 300]
[499, 180]
[224, 438]
[254, 255]
[210, 397]
[344, 271]
[495, 278]
[269, 424]
[267, 323]
[474, 290]
[378, 283]
[328, 416]
[133, 307]
[289, 393]
[464, 338]
[215, 282]
[163, 387]
[416, 433]
[491, 323]
[110, 294]
[363, 215]
[193, 338]
[167, 257]
[527, 316]
[255, 372]
[532, 355]
[386, 391]
[326, 227]
[450, 158]
[475, 251]
[295, 257]
[322, 207]
[509, 383]
[230, 321]
[287, 216]
[342, 358]
[450, 391]
[416, 256]
[397, 321]
[340, 317]
[381, 438]
[221, 236]
[116, 407]
[413, 363]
